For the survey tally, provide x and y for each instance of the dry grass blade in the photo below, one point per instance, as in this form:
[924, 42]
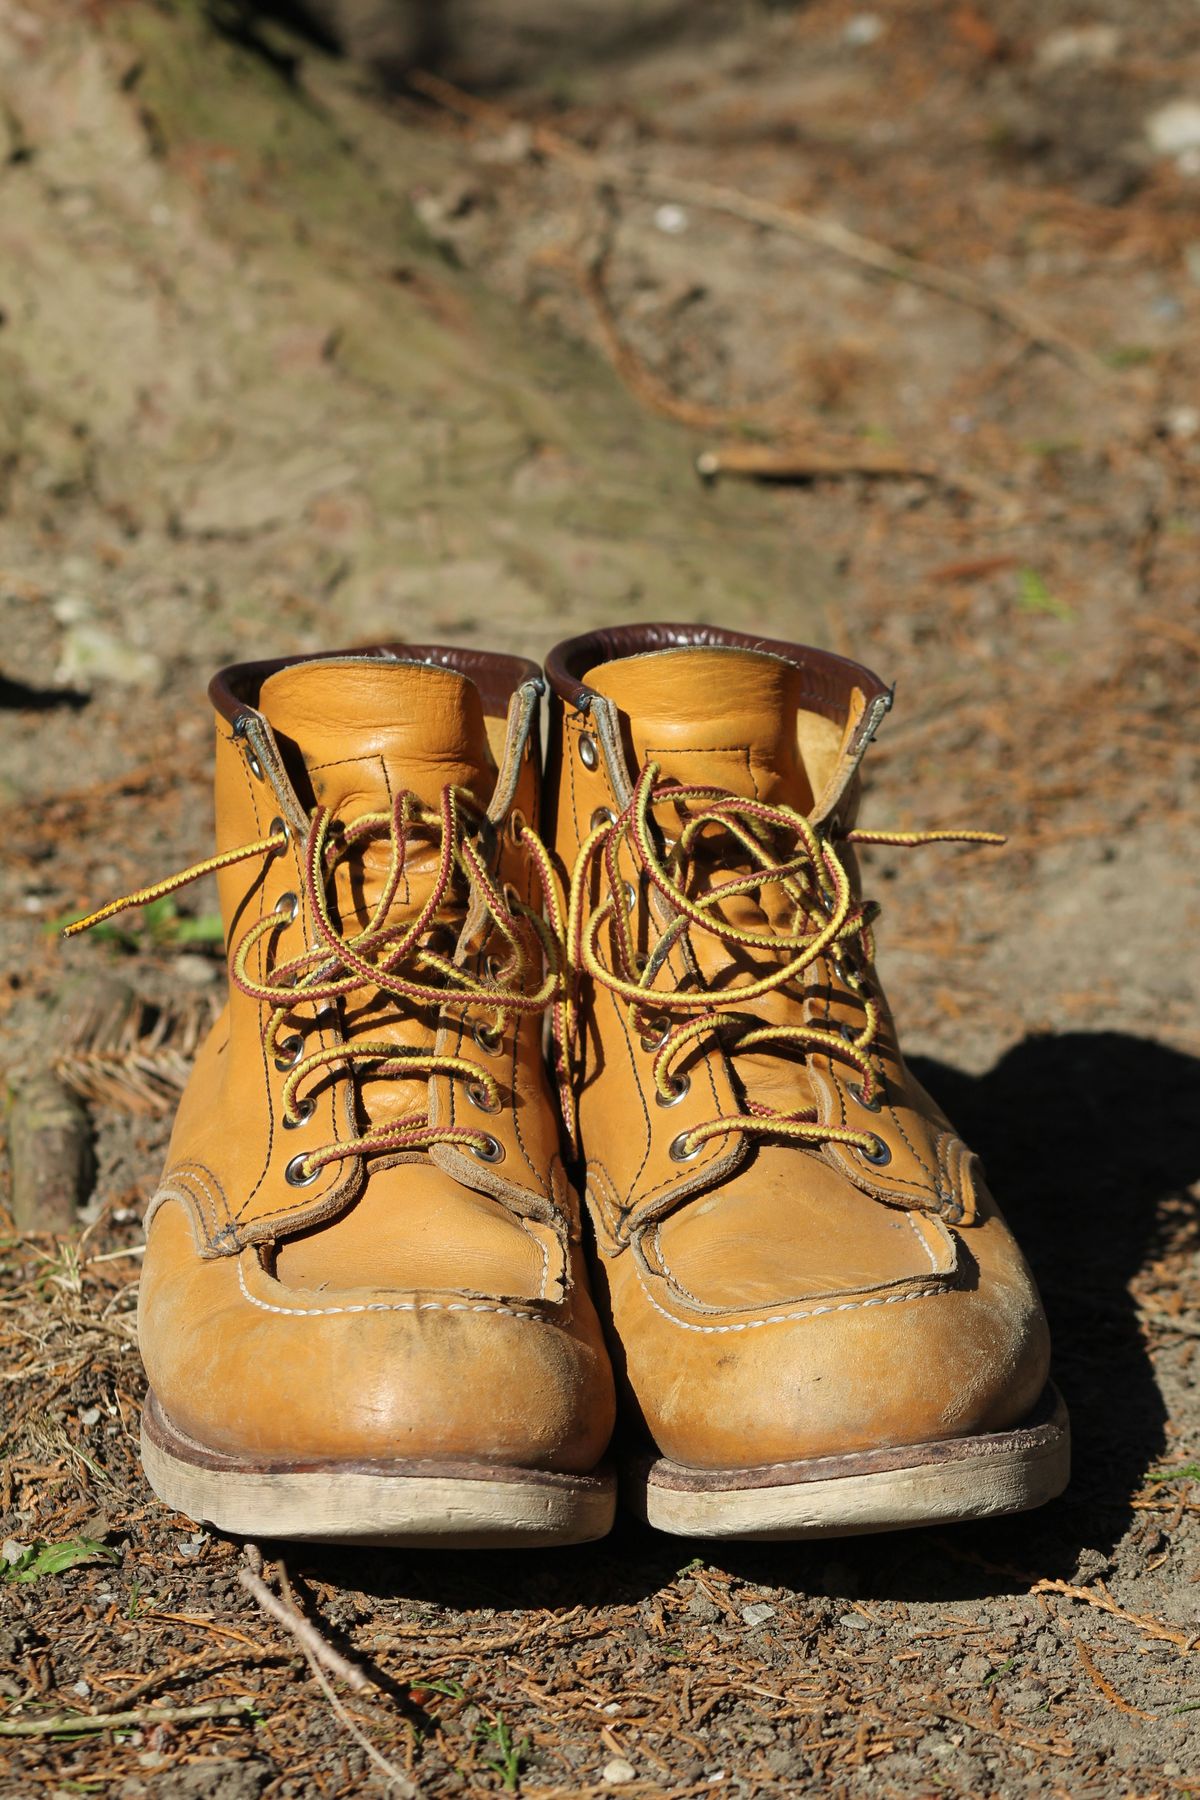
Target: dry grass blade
[1183, 1640]
[123, 1053]
[78, 1724]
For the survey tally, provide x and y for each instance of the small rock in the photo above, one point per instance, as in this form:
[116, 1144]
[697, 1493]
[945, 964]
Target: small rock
[863, 29]
[1183, 422]
[758, 1613]
[1094, 43]
[702, 1608]
[618, 1770]
[1175, 127]
[511, 146]
[854, 1622]
[89, 1415]
[197, 971]
[82, 1688]
[90, 653]
[11, 1551]
[671, 219]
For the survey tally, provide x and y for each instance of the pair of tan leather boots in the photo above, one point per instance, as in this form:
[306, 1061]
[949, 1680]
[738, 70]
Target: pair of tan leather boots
[372, 1306]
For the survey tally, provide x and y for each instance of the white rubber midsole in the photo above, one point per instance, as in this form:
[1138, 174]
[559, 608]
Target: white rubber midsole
[1008, 1475]
[355, 1506]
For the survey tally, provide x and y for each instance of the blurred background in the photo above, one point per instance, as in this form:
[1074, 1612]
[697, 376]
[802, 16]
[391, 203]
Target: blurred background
[871, 325]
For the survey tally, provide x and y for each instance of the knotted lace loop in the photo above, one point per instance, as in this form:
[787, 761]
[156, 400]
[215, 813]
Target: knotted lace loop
[783, 849]
[400, 959]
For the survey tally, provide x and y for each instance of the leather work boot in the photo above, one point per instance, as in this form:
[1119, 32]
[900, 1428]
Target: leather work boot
[821, 1321]
[363, 1313]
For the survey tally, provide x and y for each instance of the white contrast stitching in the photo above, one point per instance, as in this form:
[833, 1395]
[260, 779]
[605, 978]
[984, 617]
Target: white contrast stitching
[310, 1312]
[812, 1312]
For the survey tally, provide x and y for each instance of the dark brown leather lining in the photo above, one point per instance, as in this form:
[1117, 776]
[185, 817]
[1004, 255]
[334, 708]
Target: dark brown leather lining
[163, 1434]
[831, 678]
[496, 677]
[1043, 1430]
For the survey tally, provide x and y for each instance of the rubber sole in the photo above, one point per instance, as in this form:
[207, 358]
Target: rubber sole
[873, 1490]
[459, 1505]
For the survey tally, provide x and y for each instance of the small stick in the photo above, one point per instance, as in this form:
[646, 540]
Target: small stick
[286, 1613]
[78, 1723]
[1183, 1641]
[398, 1779]
[1106, 1687]
[831, 234]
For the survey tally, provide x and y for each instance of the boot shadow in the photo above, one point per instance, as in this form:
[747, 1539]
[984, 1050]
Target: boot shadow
[1090, 1145]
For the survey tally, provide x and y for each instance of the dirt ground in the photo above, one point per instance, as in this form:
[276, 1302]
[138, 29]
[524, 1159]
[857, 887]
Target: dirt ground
[247, 410]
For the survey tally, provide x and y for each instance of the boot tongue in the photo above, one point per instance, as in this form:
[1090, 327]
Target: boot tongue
[719, 716]
[365, 728]
[357, 732]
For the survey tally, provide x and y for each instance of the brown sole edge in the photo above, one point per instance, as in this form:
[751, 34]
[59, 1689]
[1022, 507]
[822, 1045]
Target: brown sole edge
[403, 1503]
[874, 1490]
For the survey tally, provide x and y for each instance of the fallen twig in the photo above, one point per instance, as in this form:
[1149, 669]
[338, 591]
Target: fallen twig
[831, 234]
[398, 1779]
[1103, 1602]
[74, 1724]
[1105, 1686]
[286, 1613]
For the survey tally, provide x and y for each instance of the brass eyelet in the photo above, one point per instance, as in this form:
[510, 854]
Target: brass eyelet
[304, 1113]
[679, 1151]
[478, 1095]
[288, 1052]
[491, 1151]
[297, 1176]
[589, 756]
[679, 1087]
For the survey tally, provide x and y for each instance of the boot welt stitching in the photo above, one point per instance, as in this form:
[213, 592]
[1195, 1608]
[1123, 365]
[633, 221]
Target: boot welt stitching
[324, 1312]
[812, 1312]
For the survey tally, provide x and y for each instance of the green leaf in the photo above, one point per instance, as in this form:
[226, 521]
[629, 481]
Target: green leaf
[1189, 1472]
[1034, 596]
[53, 1559]
[209, 928]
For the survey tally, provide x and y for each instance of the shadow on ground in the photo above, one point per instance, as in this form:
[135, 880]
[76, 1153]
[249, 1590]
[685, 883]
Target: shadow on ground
[1089, 1141]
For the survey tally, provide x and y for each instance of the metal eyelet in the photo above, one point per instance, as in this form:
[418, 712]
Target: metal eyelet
[492, 1151]
[288, 1050]
[849, 1032]
[240, 727]
[875, 1104]
[679, 1087]
[477, 1094]
[630, 895]
[516, 824]
[278, 824]
[304, 1113]
[882, 1155]
[650, 1042]
[489, 1041]
[287, 906]
[512, 898]
[295, 1174]
[679, 1152]
[603, 815]
[589, 756]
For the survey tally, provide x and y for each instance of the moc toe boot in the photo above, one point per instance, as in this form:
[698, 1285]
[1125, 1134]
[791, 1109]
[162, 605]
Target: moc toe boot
[364, 1313]
[820, 1320]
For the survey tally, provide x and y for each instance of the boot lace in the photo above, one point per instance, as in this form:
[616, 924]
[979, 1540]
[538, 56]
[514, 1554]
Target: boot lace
[827, 916]
[398, 959]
